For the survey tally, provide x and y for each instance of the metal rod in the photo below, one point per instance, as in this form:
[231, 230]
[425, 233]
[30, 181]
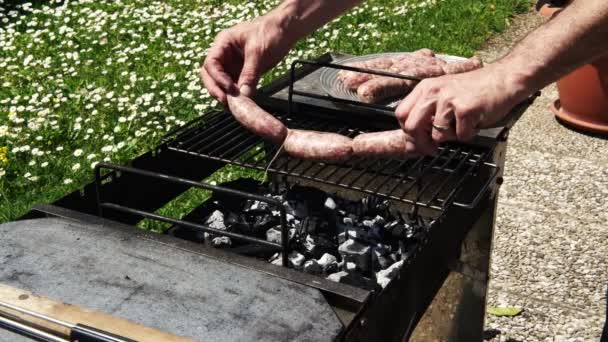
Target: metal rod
[189, 182]
[157, 217]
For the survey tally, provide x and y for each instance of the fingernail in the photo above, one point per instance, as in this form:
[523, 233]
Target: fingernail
[246, 90]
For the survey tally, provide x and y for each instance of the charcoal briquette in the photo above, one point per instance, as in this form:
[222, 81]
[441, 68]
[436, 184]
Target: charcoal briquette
[312, 267]
[383, 277]
[216, 220]
[337, 277]
[296, 259]
[273, 235]
[328, 263]
[221, 242]
[330, 203]
[353, 251]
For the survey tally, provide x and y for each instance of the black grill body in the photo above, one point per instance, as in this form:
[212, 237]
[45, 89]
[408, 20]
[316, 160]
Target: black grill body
[440, 289]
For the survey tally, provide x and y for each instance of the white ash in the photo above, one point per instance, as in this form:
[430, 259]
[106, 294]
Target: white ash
[276, 259]
[351, 266]
[384, 277]
[348, 220]
[330, 203]
[296, 259]
[222, 241]
[337, 276]
[216, 220]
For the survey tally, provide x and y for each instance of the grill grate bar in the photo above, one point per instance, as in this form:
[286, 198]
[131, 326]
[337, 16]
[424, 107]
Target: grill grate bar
[214, 121]
[461, 163]
[424, 181]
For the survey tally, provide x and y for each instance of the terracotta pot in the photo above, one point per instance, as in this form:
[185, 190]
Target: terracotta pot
[583, 94]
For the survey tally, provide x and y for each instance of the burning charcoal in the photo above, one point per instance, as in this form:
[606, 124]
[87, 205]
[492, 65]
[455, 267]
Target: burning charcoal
[308, 200]
[317, 245]
[216, 220]
[255, 205]
[350, 232]
[330, 204]
[298, 209]
[395, 257]
[368, 223]
[296, 259]
[353, 251]
[236, 222]
[222, 241]
[313, 225]
[328, 262]
[381, 257]
[384, 277]
[263, 221]
[273, 235]
[313, 267]
[379, 221]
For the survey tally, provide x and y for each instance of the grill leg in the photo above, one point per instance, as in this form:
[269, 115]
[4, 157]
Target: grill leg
[457, 313]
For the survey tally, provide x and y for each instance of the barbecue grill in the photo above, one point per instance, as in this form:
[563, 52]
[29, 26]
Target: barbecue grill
[438, 292]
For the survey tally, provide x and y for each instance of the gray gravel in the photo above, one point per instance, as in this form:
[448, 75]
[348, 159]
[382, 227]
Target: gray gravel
[550, 252]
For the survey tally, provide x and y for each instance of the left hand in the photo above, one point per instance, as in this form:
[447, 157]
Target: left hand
[455, 107]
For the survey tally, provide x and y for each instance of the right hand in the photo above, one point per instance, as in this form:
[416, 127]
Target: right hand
[241, 54]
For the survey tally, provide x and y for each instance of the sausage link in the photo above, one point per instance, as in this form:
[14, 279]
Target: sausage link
[383, 88]
[321, 146]
[257, 120]
[386, 144]
[464, 66]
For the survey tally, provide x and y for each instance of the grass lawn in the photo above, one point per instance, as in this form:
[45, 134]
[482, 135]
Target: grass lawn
[91, 80]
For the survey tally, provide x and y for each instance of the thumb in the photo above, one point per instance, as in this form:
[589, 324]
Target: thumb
[250, 74]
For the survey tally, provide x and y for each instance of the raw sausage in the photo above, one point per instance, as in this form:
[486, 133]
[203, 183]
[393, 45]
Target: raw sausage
[257, 120]
[382, 88]
[386, 144]
[352, 79]
[321, 146]
[465, 66]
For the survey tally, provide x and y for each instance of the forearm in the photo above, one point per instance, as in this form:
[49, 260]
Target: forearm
[299, 18]
[575, 37]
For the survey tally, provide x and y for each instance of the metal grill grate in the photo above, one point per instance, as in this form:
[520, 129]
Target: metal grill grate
[432, 181]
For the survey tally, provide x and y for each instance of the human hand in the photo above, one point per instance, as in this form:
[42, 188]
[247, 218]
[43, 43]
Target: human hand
[241, 54]
[455, 107]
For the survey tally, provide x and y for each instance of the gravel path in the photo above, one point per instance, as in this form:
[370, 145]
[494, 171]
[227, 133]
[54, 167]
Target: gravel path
[550, 252]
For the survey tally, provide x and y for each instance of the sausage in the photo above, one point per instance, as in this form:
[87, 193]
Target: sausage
[352, 79]
[465, 66]
[386, 144]
[321, 146]
[383, 88]
[257, 120]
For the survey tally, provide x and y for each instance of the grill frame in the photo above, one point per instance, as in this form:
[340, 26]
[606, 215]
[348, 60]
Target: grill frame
[371, 316]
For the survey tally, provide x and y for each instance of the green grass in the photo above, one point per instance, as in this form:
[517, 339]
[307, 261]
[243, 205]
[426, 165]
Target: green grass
[135, 77]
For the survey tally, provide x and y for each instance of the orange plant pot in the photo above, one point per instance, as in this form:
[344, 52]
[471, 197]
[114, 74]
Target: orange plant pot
[583, 94]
